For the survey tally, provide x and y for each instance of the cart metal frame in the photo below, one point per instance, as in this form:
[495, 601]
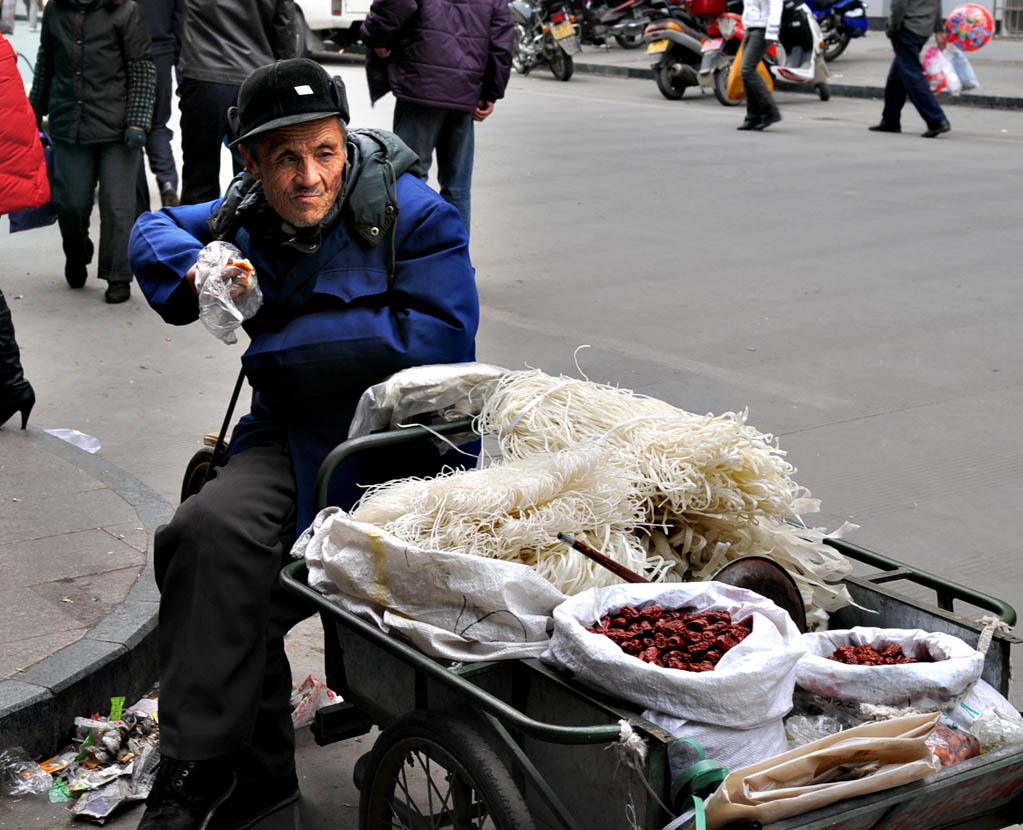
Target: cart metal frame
[552, 733]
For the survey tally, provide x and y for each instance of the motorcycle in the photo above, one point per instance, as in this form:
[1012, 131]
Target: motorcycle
[693, 45]
[801, 38]
[544, 33]
[839, 20]
[624, 22]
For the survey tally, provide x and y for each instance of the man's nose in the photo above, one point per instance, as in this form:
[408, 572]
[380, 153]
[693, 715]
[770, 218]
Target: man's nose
[307, 172]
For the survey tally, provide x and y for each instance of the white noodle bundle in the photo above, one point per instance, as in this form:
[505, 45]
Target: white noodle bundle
[514, 511]
[719, 487]
[685, 463]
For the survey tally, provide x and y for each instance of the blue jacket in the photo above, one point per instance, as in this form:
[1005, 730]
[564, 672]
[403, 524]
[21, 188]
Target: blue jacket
[389, 287]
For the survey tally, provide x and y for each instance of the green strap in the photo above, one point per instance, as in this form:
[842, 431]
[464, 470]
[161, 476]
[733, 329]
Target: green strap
[702, 778]
[700, 819]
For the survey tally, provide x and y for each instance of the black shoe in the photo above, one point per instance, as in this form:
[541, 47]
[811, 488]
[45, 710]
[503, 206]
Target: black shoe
[748, 124]
[118, 292]
[884, 128]
[75, 274]
[20, 398]
[253, 801]
[767, 120]
[934, 132]
[187, 794]
[168, 194]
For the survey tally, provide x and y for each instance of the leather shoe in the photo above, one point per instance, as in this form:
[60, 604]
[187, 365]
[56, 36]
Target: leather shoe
[118, 292]
[884, 128]
[75, 274]
[934, 132]
[767, 120]
[748, 124]
[168, 194]
[253, 801]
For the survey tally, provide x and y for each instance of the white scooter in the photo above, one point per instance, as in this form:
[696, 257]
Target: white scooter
[801, 39]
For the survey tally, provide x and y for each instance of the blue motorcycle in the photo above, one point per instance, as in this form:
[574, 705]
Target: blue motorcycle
[840, 20]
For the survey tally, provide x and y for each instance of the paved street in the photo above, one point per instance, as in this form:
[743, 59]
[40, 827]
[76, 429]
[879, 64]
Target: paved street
[859, 293]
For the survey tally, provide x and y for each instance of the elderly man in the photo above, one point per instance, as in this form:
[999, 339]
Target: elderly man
[364, 271]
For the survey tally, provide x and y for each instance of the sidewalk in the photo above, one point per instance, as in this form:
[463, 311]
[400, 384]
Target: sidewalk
[77, 602]
[860, 72]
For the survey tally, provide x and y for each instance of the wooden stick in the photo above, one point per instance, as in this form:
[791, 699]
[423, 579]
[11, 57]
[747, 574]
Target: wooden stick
[601, 559]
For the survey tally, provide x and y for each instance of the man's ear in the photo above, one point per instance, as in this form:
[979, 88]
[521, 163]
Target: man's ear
[251, 165]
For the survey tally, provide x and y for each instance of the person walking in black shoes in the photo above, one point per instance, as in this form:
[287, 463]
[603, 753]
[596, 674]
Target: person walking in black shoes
[761, 19]
[910, 23]
[95, 77]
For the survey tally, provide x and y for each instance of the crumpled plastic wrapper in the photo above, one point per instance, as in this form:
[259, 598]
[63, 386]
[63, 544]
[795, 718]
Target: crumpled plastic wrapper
[233, 296]
[20, 775]
[452, 390]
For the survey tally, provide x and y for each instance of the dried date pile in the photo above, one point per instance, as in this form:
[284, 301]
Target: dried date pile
[869, 656]
[673, 639]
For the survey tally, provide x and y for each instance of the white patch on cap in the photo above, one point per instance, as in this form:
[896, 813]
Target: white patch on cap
[303, 89]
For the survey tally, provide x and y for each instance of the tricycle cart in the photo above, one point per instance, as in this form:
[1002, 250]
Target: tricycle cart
[515, 744]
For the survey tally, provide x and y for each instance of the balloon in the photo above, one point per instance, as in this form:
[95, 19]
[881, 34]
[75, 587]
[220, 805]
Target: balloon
[969, 26]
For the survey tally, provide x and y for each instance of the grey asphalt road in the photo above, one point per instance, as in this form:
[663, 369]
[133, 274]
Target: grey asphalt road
[858, 293]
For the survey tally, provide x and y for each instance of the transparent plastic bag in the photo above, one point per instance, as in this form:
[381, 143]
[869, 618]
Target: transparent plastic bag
[232, 296]
[804, 729]
[993, 727]
[20, 775]
[941, 75]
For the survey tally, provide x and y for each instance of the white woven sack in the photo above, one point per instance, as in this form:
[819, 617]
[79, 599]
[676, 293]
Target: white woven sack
[732, 748]
[750, 686]
[931, 685]
[451, 606]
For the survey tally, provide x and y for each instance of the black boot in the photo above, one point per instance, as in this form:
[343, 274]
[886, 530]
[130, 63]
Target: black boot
[186, 794]
[16, 394]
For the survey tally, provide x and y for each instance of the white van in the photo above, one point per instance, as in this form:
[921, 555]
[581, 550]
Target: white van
[335, 20]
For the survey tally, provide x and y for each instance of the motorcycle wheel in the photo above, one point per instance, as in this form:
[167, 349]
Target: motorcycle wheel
[519, 63]
[721, 87]
[834, 45]
[629, 41]
[824, 91]
[667, 84]
[561, 64]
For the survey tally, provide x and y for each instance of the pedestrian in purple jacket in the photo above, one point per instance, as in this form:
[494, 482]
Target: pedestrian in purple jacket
[447, 62]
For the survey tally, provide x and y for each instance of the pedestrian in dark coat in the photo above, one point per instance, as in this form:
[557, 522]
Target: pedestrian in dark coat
[165, 20]
[447, 62]
[910, 24]
[94, 76]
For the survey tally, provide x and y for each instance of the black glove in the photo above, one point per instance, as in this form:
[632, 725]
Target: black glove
[135, 137]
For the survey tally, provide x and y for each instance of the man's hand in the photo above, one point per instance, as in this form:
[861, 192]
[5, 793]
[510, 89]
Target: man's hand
[240, 279]
[941, 39]
[381, 52]
[483, 109]
[135, 137]
[190, 279]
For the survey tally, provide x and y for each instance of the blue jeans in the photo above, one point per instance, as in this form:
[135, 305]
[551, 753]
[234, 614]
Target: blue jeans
[449, 131]
[906, 78]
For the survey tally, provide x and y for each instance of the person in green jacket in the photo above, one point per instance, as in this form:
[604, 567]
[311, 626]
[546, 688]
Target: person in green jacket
[95, 78]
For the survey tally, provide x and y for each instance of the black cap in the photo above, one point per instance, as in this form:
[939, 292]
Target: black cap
[284, 93]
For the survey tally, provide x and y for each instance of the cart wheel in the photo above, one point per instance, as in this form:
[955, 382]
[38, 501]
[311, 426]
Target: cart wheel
[429, 769]
[195, 472]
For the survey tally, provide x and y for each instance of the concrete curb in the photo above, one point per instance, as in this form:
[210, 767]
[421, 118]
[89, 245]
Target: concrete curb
[840, 90]
[116, 657]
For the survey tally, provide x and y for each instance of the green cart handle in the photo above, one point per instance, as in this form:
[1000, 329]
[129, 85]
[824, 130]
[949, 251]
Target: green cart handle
[946, 590]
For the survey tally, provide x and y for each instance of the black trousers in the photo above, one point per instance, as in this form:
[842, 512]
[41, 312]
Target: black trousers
[203, 128]
[77, 168]
[158, 142]
[225, 681]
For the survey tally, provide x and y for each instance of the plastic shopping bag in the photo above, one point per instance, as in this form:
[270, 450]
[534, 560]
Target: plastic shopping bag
[735, 91]
[232, 295]
[963, 68]
[941, 75]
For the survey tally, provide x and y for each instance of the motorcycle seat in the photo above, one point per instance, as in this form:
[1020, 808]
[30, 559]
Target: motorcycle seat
[825, 4]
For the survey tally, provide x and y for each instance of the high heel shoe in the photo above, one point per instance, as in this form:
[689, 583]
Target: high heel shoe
[21, 401]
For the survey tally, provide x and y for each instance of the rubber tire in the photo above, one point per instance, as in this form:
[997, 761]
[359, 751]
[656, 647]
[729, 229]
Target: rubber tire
[721, 87]
[467, 754]
[521, 36]
[833, 50]
[561, 64]
[195, 472]
[823, 91]
[629, 43]
[662, 75]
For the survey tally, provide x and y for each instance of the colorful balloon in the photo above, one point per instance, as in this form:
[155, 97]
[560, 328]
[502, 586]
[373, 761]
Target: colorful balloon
[969, 26]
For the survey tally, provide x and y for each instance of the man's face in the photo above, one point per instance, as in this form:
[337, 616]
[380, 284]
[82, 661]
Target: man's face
[301, 168]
